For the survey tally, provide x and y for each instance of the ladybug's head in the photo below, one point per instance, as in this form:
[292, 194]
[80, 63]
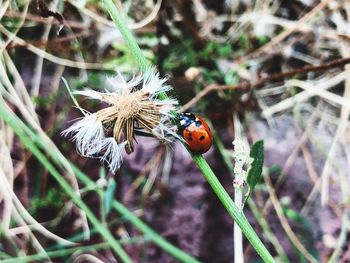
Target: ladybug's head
[186, 119]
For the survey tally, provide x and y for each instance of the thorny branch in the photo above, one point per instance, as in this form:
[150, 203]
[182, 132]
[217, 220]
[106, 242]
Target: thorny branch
[260, 81]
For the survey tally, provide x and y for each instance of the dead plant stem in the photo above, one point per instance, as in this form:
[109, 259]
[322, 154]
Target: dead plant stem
[271, 78]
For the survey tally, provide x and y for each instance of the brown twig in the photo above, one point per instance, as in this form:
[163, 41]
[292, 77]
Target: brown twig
[271, 78]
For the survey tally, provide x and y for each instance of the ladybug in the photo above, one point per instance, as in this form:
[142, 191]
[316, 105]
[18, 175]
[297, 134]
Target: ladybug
[196, 133]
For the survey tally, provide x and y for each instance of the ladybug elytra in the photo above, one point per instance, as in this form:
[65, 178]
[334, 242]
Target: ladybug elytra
[196, 133]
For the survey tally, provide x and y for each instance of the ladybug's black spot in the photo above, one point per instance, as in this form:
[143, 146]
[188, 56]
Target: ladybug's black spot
[198, 123]
[202, 138]
[190, 137]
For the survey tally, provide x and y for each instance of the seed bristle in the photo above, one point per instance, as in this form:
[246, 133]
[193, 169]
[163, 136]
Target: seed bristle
[118, 128]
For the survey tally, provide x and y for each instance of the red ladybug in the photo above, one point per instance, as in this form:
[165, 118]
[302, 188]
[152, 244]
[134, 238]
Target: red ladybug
[196, 133]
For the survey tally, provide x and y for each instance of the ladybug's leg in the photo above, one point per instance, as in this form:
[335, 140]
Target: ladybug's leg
[143, 133]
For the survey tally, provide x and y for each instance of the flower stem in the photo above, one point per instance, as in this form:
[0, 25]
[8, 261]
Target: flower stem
[126, 34]
[34, 143]
[203, 166]
[233, 210]
[149, 233]
[11, 120]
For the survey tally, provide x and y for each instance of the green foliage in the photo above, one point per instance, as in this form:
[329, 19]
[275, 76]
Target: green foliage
[298, 218]
[243, 43]
[180, 56]
[262, 39]
[212, 76]
[46, 101]
[183, 55]
[125, 61]
[11, 23]
[256, 167]
[214, 50]
[305, 230]
[108, 196]
[304, 225]
[95, 80]
[231, 78]
[274, 169]
[54, 199]
[19, 3]
[236, 214]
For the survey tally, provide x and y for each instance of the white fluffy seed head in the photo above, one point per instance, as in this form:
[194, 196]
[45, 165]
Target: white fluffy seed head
[88, 135]
[91, 142]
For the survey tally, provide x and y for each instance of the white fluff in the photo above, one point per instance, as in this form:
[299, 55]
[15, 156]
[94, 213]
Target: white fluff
[88, 135]
[118, 84]
[153, 84]
[165, 130]
[92, 94]
[113, 153]
[167, 106]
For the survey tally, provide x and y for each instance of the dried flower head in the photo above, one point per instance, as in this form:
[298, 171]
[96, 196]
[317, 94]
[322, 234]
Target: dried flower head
[133, 107]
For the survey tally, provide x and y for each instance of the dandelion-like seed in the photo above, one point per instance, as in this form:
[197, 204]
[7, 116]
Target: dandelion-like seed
[133, 107]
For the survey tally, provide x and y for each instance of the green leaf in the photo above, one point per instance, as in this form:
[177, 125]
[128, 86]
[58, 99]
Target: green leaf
[231, 78]
[300, 219]
[109, 196]
[256, 167]
[305, 232]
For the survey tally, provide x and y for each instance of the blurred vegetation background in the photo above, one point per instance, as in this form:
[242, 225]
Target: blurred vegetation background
[271, 70]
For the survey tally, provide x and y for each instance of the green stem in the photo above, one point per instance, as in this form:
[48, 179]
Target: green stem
[128, 38]
[66, 252]
[225, 199]
[267, 231]
[126, 34]
[26, 134]
[233, 210]
[11, 120]
[149, 232]
[179, 254]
